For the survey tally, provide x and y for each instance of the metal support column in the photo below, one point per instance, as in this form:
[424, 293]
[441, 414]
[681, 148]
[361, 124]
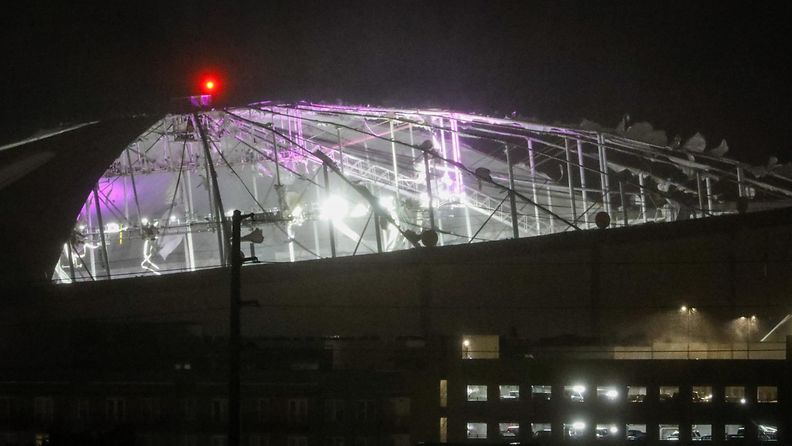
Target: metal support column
[126, 200]
[740, 179]
[134, 189]
[215, 188]
[429, 190]
[583, 183]
[708, 184]
[68, 247]
[395, 165]
[278, 184]
[92, 252]
[166, 139]
[570, 179]
[100, 221]
[377, 232]
[314, 224]
[550, 208]
[532, 165]
[700, 194]
[512, 198]
[642, 192]
[189, 209]
[603, 167]
[329, 220]
[623, 199]
[341, 148]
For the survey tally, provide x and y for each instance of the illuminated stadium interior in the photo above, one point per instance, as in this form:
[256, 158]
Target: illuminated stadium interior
[327, 180]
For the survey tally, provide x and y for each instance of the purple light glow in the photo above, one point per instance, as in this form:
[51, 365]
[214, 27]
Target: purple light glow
[203, 100]
[457, 152]
[464, 117]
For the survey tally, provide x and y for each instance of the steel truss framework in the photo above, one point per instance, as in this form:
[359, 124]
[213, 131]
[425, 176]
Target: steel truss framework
[326, 181]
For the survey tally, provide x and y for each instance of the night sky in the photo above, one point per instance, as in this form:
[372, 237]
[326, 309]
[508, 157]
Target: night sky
[683, 66]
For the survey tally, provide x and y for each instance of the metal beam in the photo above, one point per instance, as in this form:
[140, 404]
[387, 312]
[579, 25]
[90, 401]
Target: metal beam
[512, 198]
[101, 230]
[215, 188]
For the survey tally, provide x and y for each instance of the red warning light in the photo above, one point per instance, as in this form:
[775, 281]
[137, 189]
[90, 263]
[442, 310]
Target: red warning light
[209, 85]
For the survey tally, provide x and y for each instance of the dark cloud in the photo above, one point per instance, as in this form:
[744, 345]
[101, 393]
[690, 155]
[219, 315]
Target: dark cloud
[684, 67]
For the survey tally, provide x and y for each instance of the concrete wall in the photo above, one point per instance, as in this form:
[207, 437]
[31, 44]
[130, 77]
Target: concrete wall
[621, 284]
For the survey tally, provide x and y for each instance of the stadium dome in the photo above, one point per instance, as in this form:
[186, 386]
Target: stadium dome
[327, 180]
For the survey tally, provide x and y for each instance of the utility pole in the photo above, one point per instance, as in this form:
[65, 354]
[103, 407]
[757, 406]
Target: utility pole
[234, 346]
[233, 338]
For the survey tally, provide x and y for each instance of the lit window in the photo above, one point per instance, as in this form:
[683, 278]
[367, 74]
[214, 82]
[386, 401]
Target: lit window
[443, 429]
[668, 432]
[735, 394]
[636, 394]
[476, 393]
[575, 430]
[668, 393]
[541, 393]
[701, 394]
[541, 431]
[607, 432]
[443, 393]
[509, 430]
[608, 393]
[635, 432]
[766, 432]
[509, 392]
[767, 394]
[575, 393]
[701, 432]
[477, 430]
[734, 432]
[41, 439]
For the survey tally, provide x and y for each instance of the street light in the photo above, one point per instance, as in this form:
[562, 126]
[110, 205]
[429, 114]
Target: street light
[689, 311]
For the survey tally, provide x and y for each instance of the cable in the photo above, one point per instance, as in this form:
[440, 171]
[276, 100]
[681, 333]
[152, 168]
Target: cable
[443, 128]
[435, 155]
[330, 164]
[263, 209]
[176, 188]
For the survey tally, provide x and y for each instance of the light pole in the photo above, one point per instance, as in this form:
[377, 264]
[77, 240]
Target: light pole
[688, 311]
